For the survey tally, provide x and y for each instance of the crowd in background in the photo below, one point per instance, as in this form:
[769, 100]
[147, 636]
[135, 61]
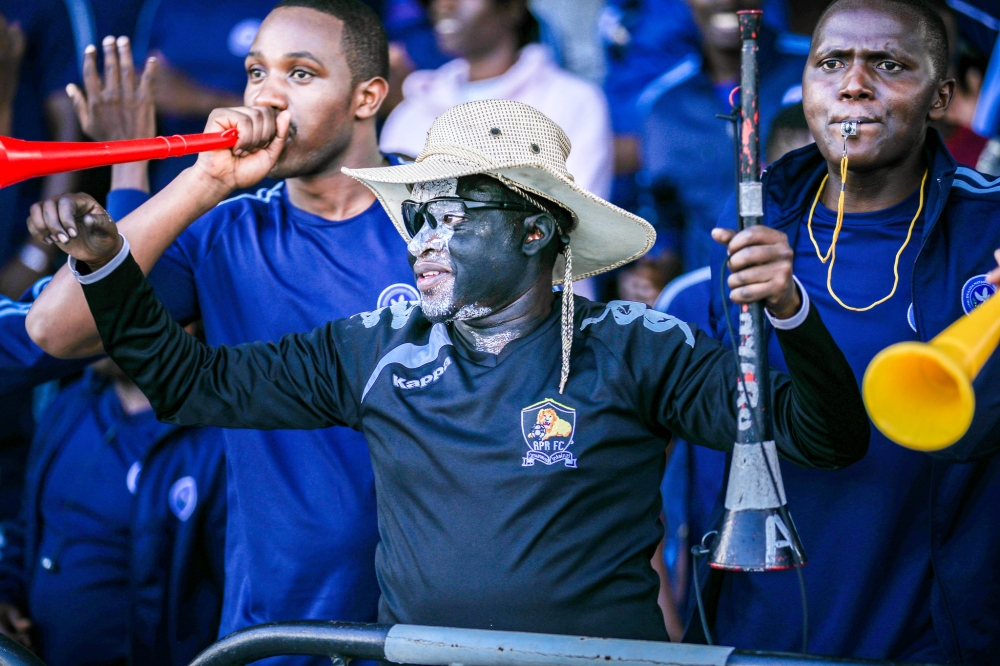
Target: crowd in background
[638, 86]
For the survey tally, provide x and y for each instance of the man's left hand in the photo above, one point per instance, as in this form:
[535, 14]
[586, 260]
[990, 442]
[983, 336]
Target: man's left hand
[760, 259]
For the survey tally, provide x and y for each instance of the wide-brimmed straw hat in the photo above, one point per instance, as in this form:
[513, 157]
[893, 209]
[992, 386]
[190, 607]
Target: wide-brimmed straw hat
[523, 148]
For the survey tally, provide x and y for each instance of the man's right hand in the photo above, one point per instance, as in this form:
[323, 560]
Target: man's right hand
[15, 625]
[262, 137]
[78, 225]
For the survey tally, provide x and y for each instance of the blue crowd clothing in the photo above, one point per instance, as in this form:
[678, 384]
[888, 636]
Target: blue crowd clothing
[78, 594]
[472, 450]
[48, 65]
[407, 23]
[302, 519]
[689, 152]
[642, 40]
[23, 365]
[207, 42]
[902, 547]
[119, 555]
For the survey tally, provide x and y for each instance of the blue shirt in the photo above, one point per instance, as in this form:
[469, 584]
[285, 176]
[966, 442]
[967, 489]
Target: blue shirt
[302, 523]
[865, 529]
[79, 596]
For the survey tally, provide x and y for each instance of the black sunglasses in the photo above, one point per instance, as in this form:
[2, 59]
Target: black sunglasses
[437, 211]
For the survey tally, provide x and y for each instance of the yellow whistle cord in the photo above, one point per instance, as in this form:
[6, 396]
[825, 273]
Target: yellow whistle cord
[831, 254]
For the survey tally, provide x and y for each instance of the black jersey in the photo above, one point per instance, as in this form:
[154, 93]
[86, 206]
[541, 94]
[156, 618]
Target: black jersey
[502, 504]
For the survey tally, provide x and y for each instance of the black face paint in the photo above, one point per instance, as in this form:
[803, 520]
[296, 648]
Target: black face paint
[469, 268]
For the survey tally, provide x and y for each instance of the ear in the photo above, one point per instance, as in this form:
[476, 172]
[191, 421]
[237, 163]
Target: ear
[942, 100]
[539, 232]
[368, 97]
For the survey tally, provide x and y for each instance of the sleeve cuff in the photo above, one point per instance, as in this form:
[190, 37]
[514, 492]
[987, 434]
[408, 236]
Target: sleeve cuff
[796, 320]
[103, 271]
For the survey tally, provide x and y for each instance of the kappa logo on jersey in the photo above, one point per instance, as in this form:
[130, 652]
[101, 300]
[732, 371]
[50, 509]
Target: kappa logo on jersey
[975, 292]
[183, 497]
[397, 293]
[426, 380]
[548, 430]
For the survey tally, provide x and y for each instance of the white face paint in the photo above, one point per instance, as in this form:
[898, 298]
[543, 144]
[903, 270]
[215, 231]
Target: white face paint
[493, 344]
[427, 238]
[438, 303]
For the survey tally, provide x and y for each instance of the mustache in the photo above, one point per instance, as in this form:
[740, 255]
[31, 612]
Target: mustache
[437, 256]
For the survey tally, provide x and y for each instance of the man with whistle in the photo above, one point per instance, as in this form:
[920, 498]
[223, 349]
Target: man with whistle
[903, 547]
[517, 434]
[301, 520]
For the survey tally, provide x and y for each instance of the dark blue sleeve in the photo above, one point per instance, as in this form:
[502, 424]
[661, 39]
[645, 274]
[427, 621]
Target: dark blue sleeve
[22, 362]
[173, 279]
[123, 202]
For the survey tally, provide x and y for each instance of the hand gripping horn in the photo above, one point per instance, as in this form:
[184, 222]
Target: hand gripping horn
[920, 394]
[20, 160]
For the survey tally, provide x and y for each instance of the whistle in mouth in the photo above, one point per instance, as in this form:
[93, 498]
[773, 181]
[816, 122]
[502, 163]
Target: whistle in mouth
[849, 128]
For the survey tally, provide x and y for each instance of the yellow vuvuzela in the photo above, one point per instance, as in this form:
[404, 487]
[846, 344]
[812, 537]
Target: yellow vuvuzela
[920, 394]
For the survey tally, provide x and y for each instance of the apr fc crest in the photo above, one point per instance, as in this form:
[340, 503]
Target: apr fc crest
[548, 429]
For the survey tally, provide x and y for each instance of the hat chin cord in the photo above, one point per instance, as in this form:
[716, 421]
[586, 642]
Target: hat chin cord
[568, 311]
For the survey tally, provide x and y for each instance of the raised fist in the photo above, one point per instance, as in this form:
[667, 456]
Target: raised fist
[79, 226]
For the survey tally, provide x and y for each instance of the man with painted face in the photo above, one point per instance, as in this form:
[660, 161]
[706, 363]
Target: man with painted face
[903, 547]
[517, 434]
[302, 527]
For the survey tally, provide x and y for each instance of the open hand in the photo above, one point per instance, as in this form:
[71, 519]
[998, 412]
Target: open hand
[262, 137]
[761, 263]
[79, 226]
[115, 108]
[13, 624]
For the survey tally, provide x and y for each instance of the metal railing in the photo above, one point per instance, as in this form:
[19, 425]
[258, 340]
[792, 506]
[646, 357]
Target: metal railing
[13, 653]
[437, 646]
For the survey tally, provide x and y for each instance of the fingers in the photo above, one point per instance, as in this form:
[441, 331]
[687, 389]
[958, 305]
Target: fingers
[91, 80]
[57, 220]
[126, 66]
[112, 82]
[723, 236]
[255, 124]
[79, 104]
[148, 78]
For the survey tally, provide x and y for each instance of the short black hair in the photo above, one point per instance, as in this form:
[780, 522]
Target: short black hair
[363, 41]
[927, 17]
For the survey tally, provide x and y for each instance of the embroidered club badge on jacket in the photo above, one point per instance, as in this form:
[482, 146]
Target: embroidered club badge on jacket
[548, 429]
[975, 292]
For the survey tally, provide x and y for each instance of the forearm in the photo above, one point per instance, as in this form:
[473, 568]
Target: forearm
[247, 386]
[820, 418]
[130, 176]
[60, 321]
